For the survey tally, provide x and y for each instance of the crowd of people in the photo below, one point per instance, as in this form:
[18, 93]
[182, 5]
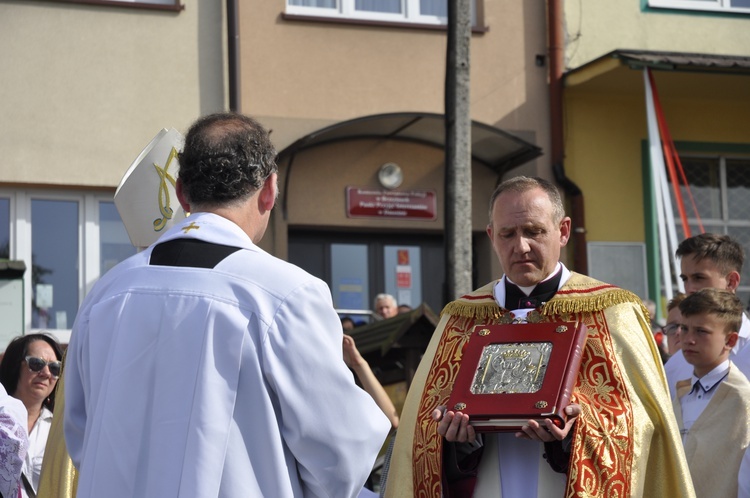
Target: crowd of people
[203, 366]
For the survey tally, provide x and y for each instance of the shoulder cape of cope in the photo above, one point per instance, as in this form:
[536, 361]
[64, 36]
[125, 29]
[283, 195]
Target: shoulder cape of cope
[580, 294]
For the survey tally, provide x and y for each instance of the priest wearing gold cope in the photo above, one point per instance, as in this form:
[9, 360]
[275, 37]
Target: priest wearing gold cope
[621, 439]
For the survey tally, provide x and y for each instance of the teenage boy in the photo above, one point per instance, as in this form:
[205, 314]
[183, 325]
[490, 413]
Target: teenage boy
[712, 406]
[715, 261]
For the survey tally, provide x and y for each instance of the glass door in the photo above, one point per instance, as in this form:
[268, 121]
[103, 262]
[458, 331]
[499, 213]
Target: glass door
[357, 267]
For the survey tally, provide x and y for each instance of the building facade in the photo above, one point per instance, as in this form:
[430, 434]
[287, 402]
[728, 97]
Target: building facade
[698, 54]
[86, 86]
[352, 90]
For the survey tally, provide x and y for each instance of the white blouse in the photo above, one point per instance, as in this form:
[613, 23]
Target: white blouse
[32, 465]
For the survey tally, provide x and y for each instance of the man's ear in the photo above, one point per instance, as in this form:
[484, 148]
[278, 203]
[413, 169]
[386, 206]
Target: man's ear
[733, 280]
[181, 196]
[565, 224]
[268, 193]
[489, 231]
[732, 338]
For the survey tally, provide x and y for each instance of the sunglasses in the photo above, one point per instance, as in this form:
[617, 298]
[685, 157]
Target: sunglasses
[36, 365]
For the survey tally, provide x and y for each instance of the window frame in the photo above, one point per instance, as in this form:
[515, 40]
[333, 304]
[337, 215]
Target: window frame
[21, 245]
[174, 6]
[724, 6]
[345, 10]
[725, 222]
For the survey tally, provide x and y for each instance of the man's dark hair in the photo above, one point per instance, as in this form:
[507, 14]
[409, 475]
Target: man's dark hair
[721, 303]
[725, 252]
[227, 157]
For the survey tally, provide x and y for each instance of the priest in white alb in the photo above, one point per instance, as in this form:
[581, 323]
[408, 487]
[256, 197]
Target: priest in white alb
[204, 366]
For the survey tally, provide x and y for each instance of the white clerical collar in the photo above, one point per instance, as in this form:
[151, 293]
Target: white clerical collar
[527, 290]
[499, 290]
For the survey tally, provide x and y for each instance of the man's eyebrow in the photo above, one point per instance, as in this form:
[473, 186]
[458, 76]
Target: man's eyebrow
[526, 224]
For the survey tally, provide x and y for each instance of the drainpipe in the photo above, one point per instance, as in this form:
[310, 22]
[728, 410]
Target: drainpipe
[233, 55]
[555, 19]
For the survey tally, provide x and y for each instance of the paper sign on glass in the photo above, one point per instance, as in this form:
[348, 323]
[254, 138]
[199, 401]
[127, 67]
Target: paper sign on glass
[510, 374]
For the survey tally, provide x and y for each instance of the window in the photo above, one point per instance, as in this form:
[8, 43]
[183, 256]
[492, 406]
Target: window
[67, 240]
[350, 280]
[740, 6]
[54, 263]
[720, 186]
[142, 4]
[153, 2]
[358, 266]
[114, 244]
[411, 11]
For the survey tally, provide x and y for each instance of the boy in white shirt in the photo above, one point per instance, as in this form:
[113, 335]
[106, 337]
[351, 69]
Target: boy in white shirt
[711, 407]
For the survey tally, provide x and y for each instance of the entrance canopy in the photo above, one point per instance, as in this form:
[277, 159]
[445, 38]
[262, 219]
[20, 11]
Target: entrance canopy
[679, 75]
[496, 149]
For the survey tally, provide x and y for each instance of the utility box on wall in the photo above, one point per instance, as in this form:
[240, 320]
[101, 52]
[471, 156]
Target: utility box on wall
[620, 263]
[11, 301]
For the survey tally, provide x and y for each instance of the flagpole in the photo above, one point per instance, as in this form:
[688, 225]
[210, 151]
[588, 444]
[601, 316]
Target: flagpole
[657, 165]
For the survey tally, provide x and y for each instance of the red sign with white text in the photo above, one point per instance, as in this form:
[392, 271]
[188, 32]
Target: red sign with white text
[411, 205]
[403, 277]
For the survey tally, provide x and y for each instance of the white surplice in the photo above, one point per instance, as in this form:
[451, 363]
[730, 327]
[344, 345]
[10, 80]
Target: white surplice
[220, 382]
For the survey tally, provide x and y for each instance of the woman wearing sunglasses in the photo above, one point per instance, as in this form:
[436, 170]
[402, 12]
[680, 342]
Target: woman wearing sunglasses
[29, 371]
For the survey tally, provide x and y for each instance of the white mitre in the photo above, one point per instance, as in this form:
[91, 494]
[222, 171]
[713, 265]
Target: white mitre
[146, 198]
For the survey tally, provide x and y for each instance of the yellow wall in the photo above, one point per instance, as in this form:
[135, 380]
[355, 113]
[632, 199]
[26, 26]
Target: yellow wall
[604, 133]
[85, 87]
[603, 156]
[596, 27]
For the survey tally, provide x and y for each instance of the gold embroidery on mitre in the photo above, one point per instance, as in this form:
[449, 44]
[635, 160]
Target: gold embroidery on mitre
[163, 197]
